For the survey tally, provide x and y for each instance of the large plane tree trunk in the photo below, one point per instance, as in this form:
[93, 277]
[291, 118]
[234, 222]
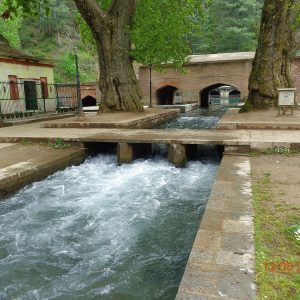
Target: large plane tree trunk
[272, 65]
[118, 83]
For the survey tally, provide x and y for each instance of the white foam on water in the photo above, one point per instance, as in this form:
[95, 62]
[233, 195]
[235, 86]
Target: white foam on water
[98, 229]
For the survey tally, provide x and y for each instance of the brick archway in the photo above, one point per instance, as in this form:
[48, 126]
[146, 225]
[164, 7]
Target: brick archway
[165, 95]
[204, 93]
[88, 101]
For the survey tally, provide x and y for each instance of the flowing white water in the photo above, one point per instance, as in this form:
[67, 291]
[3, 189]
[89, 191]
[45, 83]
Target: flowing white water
[98, 231]
[197, 119]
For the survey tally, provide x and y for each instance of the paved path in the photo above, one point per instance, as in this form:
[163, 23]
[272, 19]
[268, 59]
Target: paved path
[254, 138]
[23, 164]
[260, 120]
[221, 263]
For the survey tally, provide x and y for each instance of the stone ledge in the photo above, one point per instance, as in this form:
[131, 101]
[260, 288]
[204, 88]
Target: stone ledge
[221, 263]
[38, 164]
[149, 119]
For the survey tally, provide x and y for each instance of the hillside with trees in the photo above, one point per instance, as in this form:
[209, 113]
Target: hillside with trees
[224, 26]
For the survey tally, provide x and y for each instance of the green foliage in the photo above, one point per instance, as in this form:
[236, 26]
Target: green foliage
[294, 231]
[59, 143]
[10, 28]
[163, 32]
[276, 151]
[54, 36]
[26, 142]
[247, 107]
[229, 26]
[30, 7]
[275, 242]
[160, 31]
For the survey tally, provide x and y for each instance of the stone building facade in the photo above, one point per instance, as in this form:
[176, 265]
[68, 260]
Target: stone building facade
[202, 74]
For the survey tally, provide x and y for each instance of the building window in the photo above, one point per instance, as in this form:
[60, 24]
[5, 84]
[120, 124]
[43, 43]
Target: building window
[13, 87]
[44, 87]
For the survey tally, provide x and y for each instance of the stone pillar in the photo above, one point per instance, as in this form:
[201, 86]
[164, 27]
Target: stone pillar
[177, 155]
[243, 149]
[125, 153]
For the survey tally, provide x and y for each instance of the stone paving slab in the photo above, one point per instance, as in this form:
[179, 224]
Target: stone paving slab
[23, 164]
[36, 118]
[252, 138]
[221, 263]
[147, 119]
[260, 120]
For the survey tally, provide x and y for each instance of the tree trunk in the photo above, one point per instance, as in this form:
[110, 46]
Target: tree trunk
[118, 83]
[272, 65]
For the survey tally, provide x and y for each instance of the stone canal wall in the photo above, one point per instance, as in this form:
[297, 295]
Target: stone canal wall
[22, 164]
[221, 263]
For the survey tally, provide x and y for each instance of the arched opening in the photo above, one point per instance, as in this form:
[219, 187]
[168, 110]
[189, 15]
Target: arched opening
[218, 93]
[165, 95]
[235, 93]
[215, 93]
[89, 101]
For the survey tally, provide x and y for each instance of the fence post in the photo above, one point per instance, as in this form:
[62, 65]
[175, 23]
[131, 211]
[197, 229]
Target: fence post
[43, 87]
[57, 98]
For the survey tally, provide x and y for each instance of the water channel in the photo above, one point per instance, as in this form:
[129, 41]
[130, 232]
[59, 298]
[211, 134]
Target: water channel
[98, 231]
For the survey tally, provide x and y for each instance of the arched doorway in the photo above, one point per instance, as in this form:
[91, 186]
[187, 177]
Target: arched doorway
[214, 96]
[218, 93]
[89, 101]
[165, 95]
[234, 96]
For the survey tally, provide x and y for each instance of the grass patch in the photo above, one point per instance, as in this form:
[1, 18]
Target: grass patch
[274, 151]
[59, 143]
[247, 107]
[26, 142]
[277, 244]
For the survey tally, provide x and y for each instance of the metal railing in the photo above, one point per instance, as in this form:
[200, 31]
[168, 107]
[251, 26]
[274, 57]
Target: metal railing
[22, 99]
[218, 100]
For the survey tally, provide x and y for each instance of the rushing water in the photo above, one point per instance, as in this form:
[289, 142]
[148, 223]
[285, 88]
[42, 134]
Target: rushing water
[98, 231]
[197, 119]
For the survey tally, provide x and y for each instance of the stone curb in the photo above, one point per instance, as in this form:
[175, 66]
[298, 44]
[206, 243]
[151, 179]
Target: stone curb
[221, 263]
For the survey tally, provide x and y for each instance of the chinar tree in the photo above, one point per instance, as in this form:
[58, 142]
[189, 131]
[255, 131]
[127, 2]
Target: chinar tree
[272, 65]
[153, 31]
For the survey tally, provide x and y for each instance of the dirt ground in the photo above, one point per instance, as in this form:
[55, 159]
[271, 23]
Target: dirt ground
[284, 172]
[276, 197]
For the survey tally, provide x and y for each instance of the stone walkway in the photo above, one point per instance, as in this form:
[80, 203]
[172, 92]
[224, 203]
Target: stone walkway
[21, 164]
[221, 263]
[252, 138]
[264, 119]
[147, 119]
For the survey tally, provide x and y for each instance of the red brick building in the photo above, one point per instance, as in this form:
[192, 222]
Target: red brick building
[202, 74]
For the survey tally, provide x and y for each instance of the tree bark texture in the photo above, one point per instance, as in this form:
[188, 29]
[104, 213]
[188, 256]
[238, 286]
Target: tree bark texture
[118, 84]
[272, 65]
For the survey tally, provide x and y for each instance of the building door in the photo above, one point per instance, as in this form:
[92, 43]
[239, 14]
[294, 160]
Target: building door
[30, 95]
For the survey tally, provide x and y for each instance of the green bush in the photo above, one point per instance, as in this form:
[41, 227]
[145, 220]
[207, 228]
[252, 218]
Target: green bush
[246, 107]
[59, 143]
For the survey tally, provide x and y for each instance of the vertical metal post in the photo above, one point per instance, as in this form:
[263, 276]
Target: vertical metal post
[57, 98]
[43, 87]
[80, 110]
[150, 86]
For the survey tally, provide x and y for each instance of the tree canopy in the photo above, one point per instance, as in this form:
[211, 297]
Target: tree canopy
[159, 33]
[201, 27]
[228, 26]
[10, 26]
[156, 31]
